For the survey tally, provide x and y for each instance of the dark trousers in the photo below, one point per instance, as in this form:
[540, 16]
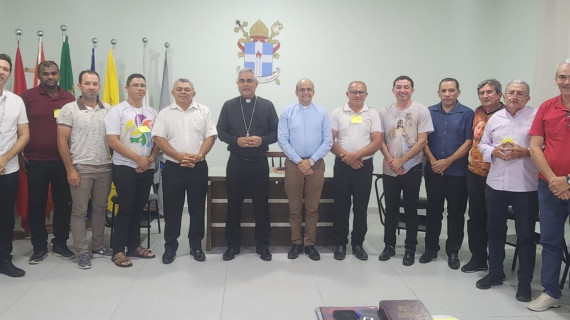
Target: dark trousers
[244, 177]
[408, 184]
[525, 207]
[553, 215]
[351, 187]
[9, 187]
[477, 223]
[40, 175]
[132, 189]
[180, 182]
[439, 189]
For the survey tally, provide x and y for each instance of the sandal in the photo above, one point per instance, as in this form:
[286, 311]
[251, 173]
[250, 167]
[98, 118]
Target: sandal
[142, 253]
[121, 260]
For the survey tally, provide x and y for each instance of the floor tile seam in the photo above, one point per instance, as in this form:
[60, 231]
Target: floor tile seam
[314, 276]
[224, 291]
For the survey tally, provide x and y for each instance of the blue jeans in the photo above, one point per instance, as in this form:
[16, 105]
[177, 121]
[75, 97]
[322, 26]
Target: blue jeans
[553, 214]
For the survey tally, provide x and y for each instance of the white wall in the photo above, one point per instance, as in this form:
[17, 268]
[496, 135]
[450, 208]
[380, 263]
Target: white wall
[332, 42]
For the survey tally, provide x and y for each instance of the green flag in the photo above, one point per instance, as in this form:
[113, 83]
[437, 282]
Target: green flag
[66, 78]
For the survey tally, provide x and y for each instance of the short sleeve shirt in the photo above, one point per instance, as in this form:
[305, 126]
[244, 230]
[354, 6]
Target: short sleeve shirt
[133, 126]
[185, 130]
[12, 113]
[354, 128]
[401, 132]
[88, 139]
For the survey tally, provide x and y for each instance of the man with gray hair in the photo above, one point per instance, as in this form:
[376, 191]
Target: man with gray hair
[551, 129]
[489, 92]
[184, 132]
[248, 124]
[511, 182]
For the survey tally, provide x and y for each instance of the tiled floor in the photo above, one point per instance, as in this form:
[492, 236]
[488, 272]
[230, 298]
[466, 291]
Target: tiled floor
[250, 289]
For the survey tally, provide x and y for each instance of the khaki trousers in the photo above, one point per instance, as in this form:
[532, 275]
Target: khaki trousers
[95, 183]
[298, 185]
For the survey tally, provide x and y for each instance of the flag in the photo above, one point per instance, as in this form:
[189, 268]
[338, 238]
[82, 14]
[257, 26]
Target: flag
[40, 58]
[66, 72]
[93, 59]
[165, 91]
[111, 87]
[19, 75]
[19, 88]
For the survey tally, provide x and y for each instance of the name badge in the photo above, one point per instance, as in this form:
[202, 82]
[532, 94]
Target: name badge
[56, 113]
[356, 119]
[144, 129]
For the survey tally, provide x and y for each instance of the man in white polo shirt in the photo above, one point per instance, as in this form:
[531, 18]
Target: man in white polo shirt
[357, 135]
[14, 135]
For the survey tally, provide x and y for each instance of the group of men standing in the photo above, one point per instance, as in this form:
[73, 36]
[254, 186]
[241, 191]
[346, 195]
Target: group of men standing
[491, 156]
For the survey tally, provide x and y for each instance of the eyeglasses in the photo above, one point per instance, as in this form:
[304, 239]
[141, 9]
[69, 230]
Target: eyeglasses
[357, 93]
[180, 89]
[562, 77]
[138, 85]
[516, 95]
[246, 80]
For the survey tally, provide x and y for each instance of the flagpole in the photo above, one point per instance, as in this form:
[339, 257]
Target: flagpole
[93, 50]
[18, 34]
[63, 29]
[145, 42]
[39, 59]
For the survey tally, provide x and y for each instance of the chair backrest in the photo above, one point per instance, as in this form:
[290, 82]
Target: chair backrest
[277, 160]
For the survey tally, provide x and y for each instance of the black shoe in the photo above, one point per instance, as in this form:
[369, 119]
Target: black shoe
[9, 269]
[312, 252]
[263, 253]
[231, 253]
[168, 256]
[294, 251]
[340, 252]
[387, 253]
[38, 257]
[488, 281]
[474, 266]
[428, 256]
[524, 293]
[453, 261]
[409, 257]
[198, 254]
[359, 253]
[63, 251]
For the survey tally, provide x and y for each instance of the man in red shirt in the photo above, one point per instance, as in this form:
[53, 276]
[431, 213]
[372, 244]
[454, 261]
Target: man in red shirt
[551, 129]
[44, 165]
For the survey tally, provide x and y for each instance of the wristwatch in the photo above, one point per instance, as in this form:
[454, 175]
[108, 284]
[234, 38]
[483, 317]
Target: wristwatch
[568, 179]
[312, 163]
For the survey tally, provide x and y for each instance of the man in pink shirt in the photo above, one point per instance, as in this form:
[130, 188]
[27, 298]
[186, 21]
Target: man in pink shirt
[511, 182]
[551, 129]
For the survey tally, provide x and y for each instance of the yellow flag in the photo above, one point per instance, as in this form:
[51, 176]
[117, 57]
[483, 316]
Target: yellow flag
[111, 87]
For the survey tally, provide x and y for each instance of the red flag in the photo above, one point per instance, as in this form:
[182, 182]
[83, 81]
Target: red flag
[19, 75]
[39, 60]
[19, 87]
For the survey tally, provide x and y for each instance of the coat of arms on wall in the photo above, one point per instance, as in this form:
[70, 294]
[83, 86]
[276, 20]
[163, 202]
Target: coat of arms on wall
[259, 48]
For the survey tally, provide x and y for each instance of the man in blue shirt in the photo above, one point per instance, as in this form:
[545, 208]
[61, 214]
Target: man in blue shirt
[446, 170]
[305, 136]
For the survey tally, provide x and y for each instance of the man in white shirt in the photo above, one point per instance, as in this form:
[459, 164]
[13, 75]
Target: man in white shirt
[357, 135]
[14, 135]
[184, 132]
[512, 181]
[128, 127]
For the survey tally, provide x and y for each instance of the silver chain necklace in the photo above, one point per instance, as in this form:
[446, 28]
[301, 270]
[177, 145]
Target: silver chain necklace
[243, 116]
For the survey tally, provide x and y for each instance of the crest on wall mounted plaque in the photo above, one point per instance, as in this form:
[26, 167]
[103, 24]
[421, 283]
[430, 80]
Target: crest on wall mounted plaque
[258, 48]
